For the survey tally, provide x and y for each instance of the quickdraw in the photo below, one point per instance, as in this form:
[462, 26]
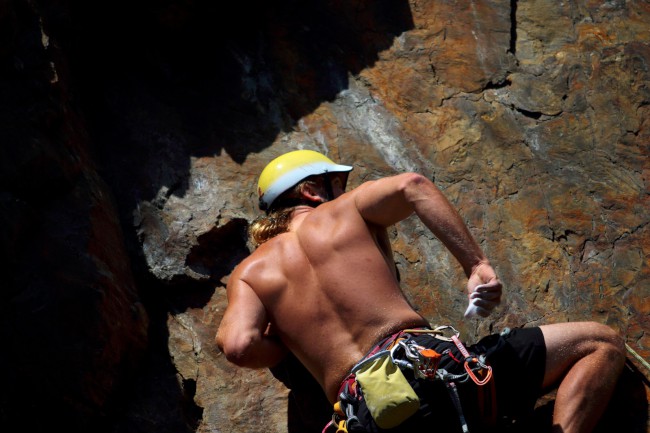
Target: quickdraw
[476, 361]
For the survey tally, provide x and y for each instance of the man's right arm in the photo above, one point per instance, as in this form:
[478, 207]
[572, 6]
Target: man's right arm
[389, 200]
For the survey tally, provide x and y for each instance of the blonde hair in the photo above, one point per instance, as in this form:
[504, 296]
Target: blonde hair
[268, 226]
[278, 218]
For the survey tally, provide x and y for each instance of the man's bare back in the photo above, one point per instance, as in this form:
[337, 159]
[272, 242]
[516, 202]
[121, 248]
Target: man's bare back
[316, 283]
[328, 287]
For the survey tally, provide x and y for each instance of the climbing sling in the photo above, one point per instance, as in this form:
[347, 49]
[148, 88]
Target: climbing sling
[378, 379]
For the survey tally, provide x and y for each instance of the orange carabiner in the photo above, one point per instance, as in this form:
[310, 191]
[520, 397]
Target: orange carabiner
[476, 380]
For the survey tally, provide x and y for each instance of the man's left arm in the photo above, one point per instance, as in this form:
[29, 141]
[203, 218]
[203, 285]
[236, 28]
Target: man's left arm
[243, 333]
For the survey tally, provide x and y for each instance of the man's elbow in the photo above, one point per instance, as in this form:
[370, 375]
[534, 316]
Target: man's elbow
[413, 180]
[236, 357]
[415, 186]
[234, 349]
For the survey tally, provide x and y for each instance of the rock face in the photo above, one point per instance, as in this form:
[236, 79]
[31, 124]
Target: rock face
[133, 133]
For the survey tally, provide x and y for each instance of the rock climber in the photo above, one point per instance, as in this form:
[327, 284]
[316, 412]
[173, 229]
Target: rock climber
[322, 284]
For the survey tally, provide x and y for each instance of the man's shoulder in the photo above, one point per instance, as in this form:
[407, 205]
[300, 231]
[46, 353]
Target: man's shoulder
[270, 264]
[268, 252]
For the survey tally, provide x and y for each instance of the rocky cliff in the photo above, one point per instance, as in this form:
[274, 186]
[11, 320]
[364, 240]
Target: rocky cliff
[133, 132]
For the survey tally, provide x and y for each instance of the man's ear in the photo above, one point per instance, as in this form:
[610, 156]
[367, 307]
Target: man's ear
[312, 192]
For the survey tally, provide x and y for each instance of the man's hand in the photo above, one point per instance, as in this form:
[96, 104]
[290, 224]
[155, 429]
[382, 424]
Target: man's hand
[484, 290]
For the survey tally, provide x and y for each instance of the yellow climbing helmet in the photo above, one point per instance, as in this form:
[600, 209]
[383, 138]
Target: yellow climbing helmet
[288, 169]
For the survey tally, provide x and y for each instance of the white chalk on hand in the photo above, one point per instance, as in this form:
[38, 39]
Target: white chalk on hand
[472, 310]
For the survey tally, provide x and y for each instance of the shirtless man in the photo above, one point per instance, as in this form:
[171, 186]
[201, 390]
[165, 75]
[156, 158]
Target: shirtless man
[323, 285]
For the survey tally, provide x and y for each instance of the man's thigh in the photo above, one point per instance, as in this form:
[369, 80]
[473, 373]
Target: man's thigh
[566, 343]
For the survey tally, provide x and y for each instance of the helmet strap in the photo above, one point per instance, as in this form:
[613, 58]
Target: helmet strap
[329, 190]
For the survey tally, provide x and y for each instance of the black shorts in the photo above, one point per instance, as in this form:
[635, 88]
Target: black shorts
[518, 361]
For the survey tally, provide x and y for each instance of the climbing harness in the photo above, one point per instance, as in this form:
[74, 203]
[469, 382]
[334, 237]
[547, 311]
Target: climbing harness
[403, 352]
[425, 366]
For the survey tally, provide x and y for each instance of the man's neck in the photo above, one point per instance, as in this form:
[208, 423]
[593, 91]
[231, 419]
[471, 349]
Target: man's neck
[298, 215]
